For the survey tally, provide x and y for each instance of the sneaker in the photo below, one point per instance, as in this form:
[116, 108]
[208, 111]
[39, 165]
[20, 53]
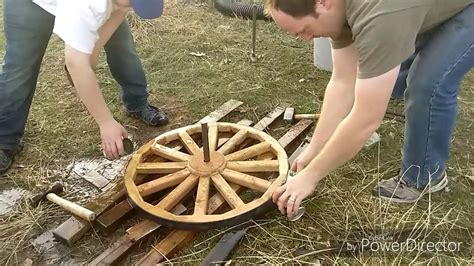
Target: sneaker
[151, 115]
[397, 190]
[6, 160]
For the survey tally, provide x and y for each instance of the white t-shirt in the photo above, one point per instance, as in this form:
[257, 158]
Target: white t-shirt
[78, 21]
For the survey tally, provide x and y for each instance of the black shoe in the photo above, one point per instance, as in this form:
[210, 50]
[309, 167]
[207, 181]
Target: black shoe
[151, 115]
[6, 160]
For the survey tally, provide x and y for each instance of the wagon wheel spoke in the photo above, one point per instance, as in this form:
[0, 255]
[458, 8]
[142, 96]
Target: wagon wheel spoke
[160, 167]
[249, 152]
[249, 181]
[170, 154]
[233, 142]
[178, 193]
[164, 182]
[213, 136]
[254, 166]
[226, 191]
[202, 197]
[189, 143]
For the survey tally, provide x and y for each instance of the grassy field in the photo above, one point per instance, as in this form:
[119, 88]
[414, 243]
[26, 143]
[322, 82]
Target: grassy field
[187, 87]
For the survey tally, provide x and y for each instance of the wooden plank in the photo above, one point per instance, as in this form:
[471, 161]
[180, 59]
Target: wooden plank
[119, 249]
[270, 118]
[226, 191]
[96, 179]
[110, 217]
[168, 245]
[264, 123]
[73, 228]
[221, 112]
[249, 181]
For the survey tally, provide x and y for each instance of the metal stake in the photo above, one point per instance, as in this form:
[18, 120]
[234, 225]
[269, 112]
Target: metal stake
[253, 56]
[205, 142]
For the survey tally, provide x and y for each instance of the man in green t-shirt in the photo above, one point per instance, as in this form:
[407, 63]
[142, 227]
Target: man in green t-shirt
[380, 48]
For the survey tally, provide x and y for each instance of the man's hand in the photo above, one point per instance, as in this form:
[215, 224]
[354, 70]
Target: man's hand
[289, 196]
[304, 159]
[112, 134]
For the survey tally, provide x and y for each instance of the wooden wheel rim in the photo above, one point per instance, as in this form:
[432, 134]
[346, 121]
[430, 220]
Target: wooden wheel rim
[189, 171]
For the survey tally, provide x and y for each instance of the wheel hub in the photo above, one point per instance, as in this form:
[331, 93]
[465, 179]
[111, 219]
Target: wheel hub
[198, 167]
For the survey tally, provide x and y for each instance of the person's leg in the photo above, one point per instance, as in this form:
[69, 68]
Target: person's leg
[127, 70]
[27, 30]
[401, 83]
[431, 107]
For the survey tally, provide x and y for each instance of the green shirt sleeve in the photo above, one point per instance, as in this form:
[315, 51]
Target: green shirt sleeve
[385, 41]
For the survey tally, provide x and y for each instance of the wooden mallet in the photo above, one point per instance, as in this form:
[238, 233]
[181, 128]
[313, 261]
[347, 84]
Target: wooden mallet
[51, 195]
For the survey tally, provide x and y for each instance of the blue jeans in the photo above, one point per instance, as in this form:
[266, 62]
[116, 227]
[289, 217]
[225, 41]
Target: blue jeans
[28, 29]
[430, 81]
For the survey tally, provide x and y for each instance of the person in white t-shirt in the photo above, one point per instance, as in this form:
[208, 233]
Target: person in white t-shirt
[85, 26]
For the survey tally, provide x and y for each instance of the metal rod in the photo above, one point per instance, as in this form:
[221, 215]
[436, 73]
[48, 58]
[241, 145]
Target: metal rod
[254, 28]
[205, 142]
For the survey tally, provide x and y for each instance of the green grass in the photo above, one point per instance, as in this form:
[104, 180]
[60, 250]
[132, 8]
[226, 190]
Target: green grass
[59, 131]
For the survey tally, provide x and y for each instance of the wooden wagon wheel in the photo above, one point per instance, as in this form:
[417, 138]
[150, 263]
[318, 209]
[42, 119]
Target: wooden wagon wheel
[160, 175]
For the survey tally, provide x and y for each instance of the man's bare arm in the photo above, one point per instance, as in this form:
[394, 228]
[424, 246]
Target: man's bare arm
[339, 96]
[371, 100]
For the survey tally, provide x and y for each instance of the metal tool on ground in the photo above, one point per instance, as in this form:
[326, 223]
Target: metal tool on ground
[127, 146]
[253, 56]
[51, 195]
[290, 115]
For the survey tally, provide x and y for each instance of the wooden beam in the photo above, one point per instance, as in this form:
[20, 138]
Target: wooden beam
[163, 182]
[202, 197]
[233, 142]
[226, 191]
[249, 152]
[177, 194]
[169, 153]
[249, 181]
[138, 232]
[160, 168]
[188, 142]
[254, 166]
[111, 217]
[74, 228]
[172, 242]
[221, 112]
